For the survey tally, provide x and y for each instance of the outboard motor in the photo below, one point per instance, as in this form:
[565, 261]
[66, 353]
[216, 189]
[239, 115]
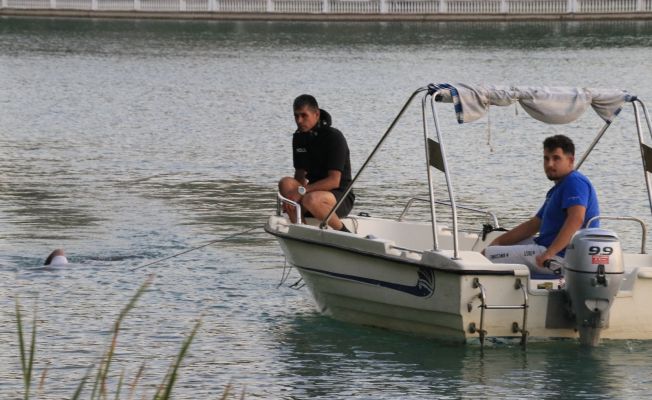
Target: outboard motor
[593, 270]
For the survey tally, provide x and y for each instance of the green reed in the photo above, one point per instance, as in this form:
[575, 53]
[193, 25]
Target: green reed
[27, 366]
[99, 390]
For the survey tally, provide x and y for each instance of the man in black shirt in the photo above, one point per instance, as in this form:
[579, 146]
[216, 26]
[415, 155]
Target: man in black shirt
[322, 168]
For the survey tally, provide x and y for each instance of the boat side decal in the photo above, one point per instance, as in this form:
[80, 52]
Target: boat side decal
[424, 287]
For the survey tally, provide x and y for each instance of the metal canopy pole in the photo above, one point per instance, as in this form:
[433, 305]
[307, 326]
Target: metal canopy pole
[647, 115]
[373, 152]
[593, 144]
[431, 190]
[639, 130]
[449, 182]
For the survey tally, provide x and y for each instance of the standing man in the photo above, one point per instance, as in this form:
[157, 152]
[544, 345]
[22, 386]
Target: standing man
[569, 205]
[322, 168]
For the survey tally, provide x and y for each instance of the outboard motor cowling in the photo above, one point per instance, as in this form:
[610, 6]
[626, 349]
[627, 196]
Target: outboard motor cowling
[594, 270]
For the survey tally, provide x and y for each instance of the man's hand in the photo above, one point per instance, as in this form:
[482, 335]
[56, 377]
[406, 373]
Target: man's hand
[541, 258]
[291, 211]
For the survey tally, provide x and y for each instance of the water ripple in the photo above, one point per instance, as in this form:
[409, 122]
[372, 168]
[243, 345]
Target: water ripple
[125, 142]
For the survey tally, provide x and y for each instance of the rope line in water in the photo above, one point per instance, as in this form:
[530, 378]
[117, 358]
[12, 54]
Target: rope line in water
[198, 247]
[284, 276]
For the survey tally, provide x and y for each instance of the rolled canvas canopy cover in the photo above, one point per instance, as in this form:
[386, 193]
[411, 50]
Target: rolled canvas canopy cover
[553, 105]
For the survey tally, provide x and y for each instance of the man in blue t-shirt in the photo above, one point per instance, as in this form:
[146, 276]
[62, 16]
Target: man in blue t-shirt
[569, 205]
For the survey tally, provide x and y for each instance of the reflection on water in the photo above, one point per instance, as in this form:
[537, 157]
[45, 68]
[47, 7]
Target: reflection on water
[218, 204]
[398, 365]
[128, 141]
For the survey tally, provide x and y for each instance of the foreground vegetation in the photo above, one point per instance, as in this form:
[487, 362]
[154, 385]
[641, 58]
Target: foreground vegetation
[97, 374]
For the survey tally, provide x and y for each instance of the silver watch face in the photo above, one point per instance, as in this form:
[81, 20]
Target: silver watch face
[302, 190]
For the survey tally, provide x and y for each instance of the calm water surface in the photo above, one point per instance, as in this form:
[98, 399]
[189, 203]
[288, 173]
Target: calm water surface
[128, 141]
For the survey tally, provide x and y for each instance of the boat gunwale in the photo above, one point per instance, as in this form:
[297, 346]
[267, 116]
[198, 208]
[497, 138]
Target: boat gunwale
[392, 258]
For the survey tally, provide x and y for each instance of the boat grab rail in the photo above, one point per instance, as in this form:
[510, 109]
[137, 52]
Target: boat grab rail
[420, 252]
[280, 199]
[617, 218]
[445, 203]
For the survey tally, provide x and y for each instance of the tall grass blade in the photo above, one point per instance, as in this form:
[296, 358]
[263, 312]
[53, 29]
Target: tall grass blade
[77, 393]
[117, 392]
[227, 391]
[32, 351]
[96, 384]
[41, 383]
[132, 387]
[106, 364]
[27, 366]
[21, 342]
[161, 386]
[182, 353]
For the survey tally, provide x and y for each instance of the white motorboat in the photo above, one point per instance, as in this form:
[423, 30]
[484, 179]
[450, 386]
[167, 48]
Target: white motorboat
[432, 280]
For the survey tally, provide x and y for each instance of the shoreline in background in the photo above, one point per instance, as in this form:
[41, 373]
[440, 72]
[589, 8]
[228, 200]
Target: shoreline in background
[231, 16]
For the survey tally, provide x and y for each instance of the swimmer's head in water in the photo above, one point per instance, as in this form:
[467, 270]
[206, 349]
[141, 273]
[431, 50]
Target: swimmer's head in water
[55, 258]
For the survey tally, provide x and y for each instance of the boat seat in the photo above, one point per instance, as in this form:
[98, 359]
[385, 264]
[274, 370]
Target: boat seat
[480, 244]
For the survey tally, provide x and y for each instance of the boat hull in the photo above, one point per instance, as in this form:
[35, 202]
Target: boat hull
[370, 282]
[381, 293]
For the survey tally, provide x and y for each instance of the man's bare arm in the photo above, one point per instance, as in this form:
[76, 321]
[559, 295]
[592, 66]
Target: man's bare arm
[300, 175]
[523, 231]
[332, 181]
[574, 220]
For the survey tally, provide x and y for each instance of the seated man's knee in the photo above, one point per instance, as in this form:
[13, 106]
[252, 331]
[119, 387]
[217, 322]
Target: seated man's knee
[316, 201]
[310, 200]
[288, 186]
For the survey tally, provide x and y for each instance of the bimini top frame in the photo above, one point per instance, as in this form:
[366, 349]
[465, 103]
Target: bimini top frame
[552, 105]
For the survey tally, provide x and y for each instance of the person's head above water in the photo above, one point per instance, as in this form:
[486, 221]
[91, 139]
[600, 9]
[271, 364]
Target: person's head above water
[57, 257]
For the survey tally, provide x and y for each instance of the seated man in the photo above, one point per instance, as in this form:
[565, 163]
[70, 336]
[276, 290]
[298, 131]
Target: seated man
[322, 168]
[569, 205]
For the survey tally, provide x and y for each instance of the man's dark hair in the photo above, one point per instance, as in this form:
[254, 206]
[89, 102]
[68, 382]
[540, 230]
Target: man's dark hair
[48, 260]
[305, 100]
[559, 141]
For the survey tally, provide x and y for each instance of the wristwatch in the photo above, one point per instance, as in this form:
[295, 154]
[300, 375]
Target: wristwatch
[301, 190]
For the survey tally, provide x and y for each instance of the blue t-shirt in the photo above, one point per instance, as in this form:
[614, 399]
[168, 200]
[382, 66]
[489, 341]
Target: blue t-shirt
[575, 189]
